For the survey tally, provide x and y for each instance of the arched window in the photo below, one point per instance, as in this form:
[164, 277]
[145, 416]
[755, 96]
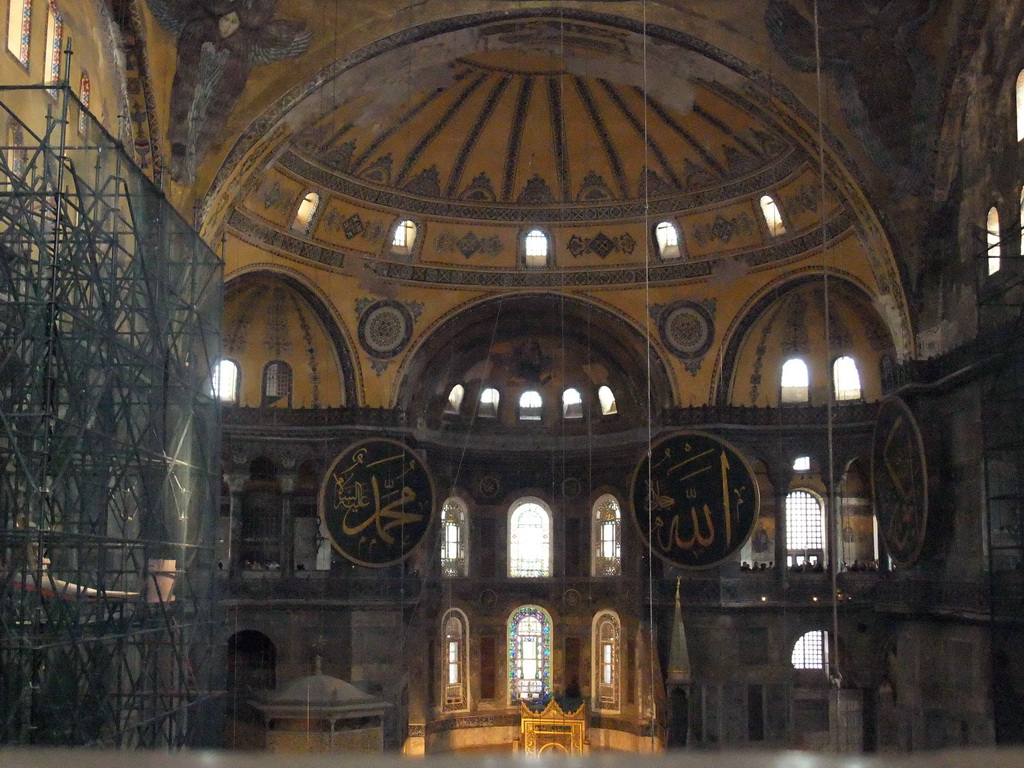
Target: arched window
[1020, 105]
[529, 539]
[404, 238]
[455, 650]
[846, 378]
[535, 249]
[19, 28]
[606, 674]
[84, 95]
[225, 381]
[811, 651]
[277, 383]
[666, 236]
[572, 404]
[795, 382]
[17, 154]
[607, 399]
[54, 45]
[453, 538]
[802, 464]
[1022, 221]
[805, 530]
[529, 654]
[306, 213]
[489, 398]
[772, 216]
[992, 239]
[607, 533]
[454, 404]
[530, 404]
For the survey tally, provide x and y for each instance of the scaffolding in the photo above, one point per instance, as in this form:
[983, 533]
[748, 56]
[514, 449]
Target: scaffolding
[110, 307]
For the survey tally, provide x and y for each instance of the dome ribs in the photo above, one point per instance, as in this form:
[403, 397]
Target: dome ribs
[684, 134]
[515, 139]
[436, 128]
[652, 144]
[455, 179]
[558, 138]
[587, 98]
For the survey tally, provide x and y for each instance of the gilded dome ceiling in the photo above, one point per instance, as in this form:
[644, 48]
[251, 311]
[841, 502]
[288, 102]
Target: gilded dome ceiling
[519, 129]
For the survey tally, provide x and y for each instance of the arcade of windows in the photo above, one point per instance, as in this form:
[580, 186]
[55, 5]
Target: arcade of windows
[531, 403]
[795, 381]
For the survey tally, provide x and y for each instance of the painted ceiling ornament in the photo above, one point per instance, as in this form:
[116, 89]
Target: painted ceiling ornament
[687, 329]
[695, 500]
[385, 328]
[887, 83]
[219, 42]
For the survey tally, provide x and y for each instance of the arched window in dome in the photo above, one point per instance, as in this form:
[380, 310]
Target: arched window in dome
[404, 238]
[607, 399]
[810, 651]
[536, 249]
[84, 96]
[277, 383]
[529, 654]
[572, 404]
[306, 213]
[54, 46]
[455, 627]
[796, 381]
[454, 526]
[802, 464]
[772, 216]
[1019, 91]
[607, 533]
[19, 27]
[993, 240]
[606, 672]
[489, 398]
[666, 236]
[846, 378]
[529, 540]
[454, 403]
[530, 405]
[225, 381]
[805, 530]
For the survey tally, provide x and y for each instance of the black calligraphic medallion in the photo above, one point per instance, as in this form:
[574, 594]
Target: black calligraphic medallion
[694, 499]
[899, 482]
[376, 502]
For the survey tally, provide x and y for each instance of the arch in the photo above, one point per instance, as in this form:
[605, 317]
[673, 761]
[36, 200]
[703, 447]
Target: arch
[455, 398]
[536, 249]
[225, 381]
[54, 44]
[846, 379]
[529, 654]
[305, 214]
[531, 405]
[455, 661]
[276, 383]
[607, 399]
[454, 538]
[667, 241]
[503, 320]
[1019, 98]
[529, 538]
[403, 237]
[251, 662]
[84, 96]
[490, 399]
[772, 215]
[606, 536]
[320, 308]
[737, 336]
[19, 29]
[795, 381]
[572, 403]
[810, 651]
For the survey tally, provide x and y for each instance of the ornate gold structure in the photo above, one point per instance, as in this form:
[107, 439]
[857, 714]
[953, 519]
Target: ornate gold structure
[553, 730]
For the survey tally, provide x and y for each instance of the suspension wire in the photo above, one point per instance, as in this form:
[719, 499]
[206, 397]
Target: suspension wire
[652, 649]
[832, 512]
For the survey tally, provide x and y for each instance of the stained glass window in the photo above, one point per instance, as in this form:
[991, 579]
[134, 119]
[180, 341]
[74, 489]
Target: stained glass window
[453, 538]
[84, 95]
[607, 544]
[529, 539]
[54, 45]
[606, 661]
[993, 238]
[454, 649]
[529, 654]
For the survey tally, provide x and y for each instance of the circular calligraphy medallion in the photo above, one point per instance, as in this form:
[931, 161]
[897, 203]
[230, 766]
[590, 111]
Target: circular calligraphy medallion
[376, 502]
[695, 499]
[384, 328]
[687, 329]
[899, 482]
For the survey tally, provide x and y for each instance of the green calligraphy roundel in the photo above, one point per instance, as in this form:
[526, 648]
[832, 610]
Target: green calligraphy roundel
[376, 502]
[694, 499]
